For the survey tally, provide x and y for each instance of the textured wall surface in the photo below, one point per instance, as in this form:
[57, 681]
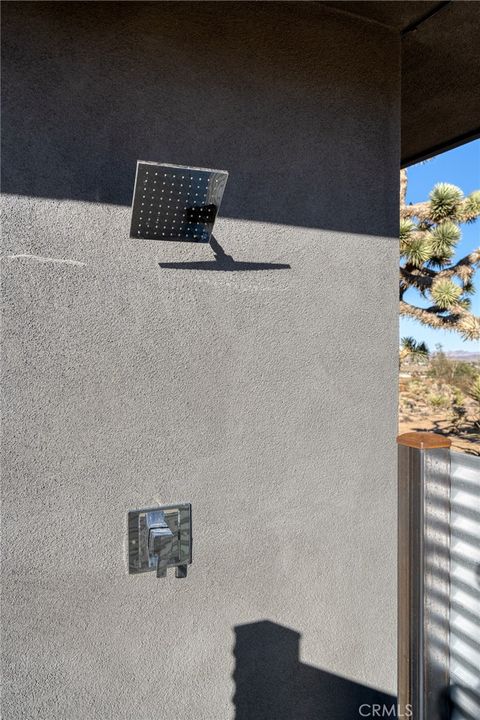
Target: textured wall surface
[266, 398]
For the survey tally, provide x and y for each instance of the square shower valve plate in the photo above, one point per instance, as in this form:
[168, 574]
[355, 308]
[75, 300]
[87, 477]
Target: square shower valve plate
[140, 522]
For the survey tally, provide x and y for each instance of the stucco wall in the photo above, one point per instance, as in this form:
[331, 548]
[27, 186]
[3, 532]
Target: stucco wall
[266, 398]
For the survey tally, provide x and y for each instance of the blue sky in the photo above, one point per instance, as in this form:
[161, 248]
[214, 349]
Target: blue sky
[459, 167]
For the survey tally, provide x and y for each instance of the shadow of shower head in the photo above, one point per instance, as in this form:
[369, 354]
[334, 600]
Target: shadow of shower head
[175, 202]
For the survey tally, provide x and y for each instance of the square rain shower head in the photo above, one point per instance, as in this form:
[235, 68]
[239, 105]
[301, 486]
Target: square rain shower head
[173, 202]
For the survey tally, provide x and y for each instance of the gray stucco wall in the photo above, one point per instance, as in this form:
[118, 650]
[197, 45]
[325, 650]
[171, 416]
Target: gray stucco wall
[266, 398]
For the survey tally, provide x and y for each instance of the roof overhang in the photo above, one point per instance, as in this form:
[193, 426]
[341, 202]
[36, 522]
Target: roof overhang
[440, 70]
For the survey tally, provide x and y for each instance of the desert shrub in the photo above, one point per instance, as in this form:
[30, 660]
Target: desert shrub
[464, 376]
[441, 367]
[438, 401]
[474, 391]
[417, 387]
[452, 372]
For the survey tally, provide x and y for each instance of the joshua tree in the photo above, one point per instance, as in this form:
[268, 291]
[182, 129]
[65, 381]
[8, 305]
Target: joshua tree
[429, 233]
[409, 348]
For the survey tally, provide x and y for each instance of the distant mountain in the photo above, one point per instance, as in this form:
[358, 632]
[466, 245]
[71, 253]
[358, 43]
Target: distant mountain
[464, 355]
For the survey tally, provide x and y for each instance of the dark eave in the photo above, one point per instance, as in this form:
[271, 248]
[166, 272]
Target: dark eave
[440, 70]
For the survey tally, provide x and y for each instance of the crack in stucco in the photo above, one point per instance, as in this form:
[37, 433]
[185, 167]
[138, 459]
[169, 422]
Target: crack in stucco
[40, 258]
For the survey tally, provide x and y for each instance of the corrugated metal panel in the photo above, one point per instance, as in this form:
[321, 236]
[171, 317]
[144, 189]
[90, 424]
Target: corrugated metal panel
[423, 580]
[465, 587]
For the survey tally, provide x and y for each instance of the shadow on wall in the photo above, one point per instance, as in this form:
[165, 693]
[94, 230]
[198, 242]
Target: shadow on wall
[223, 263]
[263, 90]
[272, 684]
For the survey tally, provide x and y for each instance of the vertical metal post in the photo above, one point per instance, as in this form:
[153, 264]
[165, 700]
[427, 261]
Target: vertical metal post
[423, 575]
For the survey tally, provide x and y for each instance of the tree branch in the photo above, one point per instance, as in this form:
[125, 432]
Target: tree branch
[422, 211]
[458, 319]
[412, 279]
[423, 277]
[419, 210]
[403, 188]
[468, 261]
[427, 317]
